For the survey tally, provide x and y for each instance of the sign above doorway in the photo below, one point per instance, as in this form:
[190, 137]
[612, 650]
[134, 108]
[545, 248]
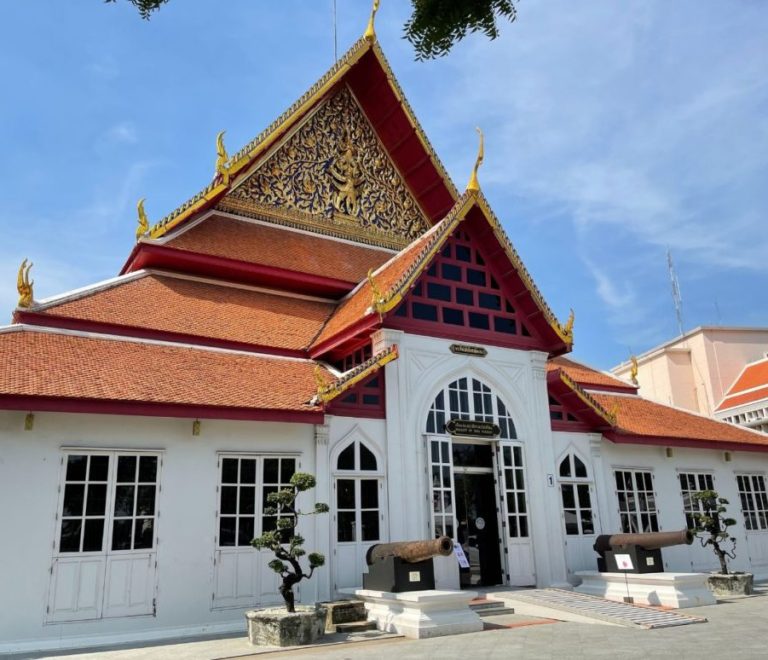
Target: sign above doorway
[472, 428]
[468, 349]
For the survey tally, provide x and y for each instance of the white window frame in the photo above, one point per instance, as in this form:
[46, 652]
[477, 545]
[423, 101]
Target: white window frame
[756, 498]
[574, 483]
[686, 492]
[634, 513]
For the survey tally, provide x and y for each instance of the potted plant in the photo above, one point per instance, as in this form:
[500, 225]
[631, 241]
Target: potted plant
[711, 528]
[291, 625]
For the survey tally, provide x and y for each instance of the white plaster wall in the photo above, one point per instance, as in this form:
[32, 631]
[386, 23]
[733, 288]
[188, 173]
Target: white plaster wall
[29, 480]
[669, 501]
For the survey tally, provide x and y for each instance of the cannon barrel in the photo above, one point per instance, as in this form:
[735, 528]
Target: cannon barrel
[648, 541]
[410, 551]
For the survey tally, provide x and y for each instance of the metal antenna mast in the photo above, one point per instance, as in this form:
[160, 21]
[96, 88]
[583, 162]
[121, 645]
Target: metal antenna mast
[676, 297]
[335, 40]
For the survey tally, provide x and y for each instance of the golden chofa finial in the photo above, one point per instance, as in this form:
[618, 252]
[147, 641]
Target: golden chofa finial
[568, 329]
[143, 227]
[633, 369]
[370, 31]
[24, 285]
[474, 184]
[222, 158]
[376, 294]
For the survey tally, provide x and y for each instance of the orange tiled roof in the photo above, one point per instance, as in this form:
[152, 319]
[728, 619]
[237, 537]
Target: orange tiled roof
[732, 401]
[45, 364]
[641, 417]
[172, 304]
[281, 248]
[584, 375]
[754, 376]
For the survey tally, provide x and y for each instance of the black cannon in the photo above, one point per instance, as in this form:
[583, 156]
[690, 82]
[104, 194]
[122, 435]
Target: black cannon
[642, 550]
[404, 566]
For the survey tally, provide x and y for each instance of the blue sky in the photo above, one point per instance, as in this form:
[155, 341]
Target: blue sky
[613, 131]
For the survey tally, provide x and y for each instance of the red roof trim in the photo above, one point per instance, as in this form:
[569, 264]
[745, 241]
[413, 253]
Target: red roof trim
[161, 256]
[658, 441]
[363, 326]
[110, 407]
[68, 323]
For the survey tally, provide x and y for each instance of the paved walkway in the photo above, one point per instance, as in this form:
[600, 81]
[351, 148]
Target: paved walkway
[737, 629]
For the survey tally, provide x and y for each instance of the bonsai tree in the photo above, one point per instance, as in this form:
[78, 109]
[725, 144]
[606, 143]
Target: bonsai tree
[284, 541]
[711, 526]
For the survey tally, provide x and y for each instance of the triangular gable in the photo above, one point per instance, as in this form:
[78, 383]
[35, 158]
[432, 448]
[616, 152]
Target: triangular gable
[532, 323]
[365, 75]
[331, 173]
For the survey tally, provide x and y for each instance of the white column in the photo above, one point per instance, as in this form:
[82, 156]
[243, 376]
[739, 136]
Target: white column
[601, 479]
[400, 469]
[548, 533]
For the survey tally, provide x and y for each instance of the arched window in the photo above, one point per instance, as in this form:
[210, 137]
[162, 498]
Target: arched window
[356, 457]
[357, 488]
[469, 399]
[575, 491]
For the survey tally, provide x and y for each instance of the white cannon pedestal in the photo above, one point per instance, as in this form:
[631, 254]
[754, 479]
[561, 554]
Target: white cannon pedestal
[421, 614]
[673, 590]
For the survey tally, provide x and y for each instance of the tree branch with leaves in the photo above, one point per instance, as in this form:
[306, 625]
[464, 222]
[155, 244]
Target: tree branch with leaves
[711, 526]
[286, 544]
[435, 26]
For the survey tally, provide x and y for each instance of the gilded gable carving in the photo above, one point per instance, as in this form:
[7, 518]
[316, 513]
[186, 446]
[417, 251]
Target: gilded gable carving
[334, 167]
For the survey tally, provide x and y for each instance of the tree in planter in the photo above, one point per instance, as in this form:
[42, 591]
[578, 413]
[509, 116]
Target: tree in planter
[284, 541]
[711, 526]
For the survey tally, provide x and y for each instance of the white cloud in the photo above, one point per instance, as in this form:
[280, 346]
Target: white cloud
[123, 132]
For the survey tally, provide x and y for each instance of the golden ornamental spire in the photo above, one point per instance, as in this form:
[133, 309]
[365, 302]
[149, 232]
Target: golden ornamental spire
[143, 227]
[633, 369]
[378, 296]
[370, 31]
[320, 378]
[24, 286]
[474, 184]
[222, 158]
[568, 328]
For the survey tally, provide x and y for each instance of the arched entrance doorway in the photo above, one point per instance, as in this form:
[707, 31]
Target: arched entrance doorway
[478, 484]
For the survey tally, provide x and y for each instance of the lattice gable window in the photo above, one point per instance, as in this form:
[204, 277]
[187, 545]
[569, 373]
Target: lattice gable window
[558, 413]
[460, 291]
[367, 397]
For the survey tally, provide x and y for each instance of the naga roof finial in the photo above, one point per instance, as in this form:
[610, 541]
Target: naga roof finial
[633, 369]
[24, 285]
[143, 227]
[377, 295]
[222, 158]
[474, 184]
[568, 328]
[370, 31]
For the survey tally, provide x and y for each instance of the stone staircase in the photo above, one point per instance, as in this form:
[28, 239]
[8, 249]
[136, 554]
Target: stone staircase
[485, 607]
[347, 616]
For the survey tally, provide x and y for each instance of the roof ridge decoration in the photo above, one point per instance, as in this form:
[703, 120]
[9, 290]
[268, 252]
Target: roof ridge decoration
[608, 416]
[326, 392]
[370, 31]
[222, 158]
[143, 226]
[24, 285]
[474, 184]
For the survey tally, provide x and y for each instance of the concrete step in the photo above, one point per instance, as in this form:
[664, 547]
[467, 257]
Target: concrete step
[486, 607]
[355, 627]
